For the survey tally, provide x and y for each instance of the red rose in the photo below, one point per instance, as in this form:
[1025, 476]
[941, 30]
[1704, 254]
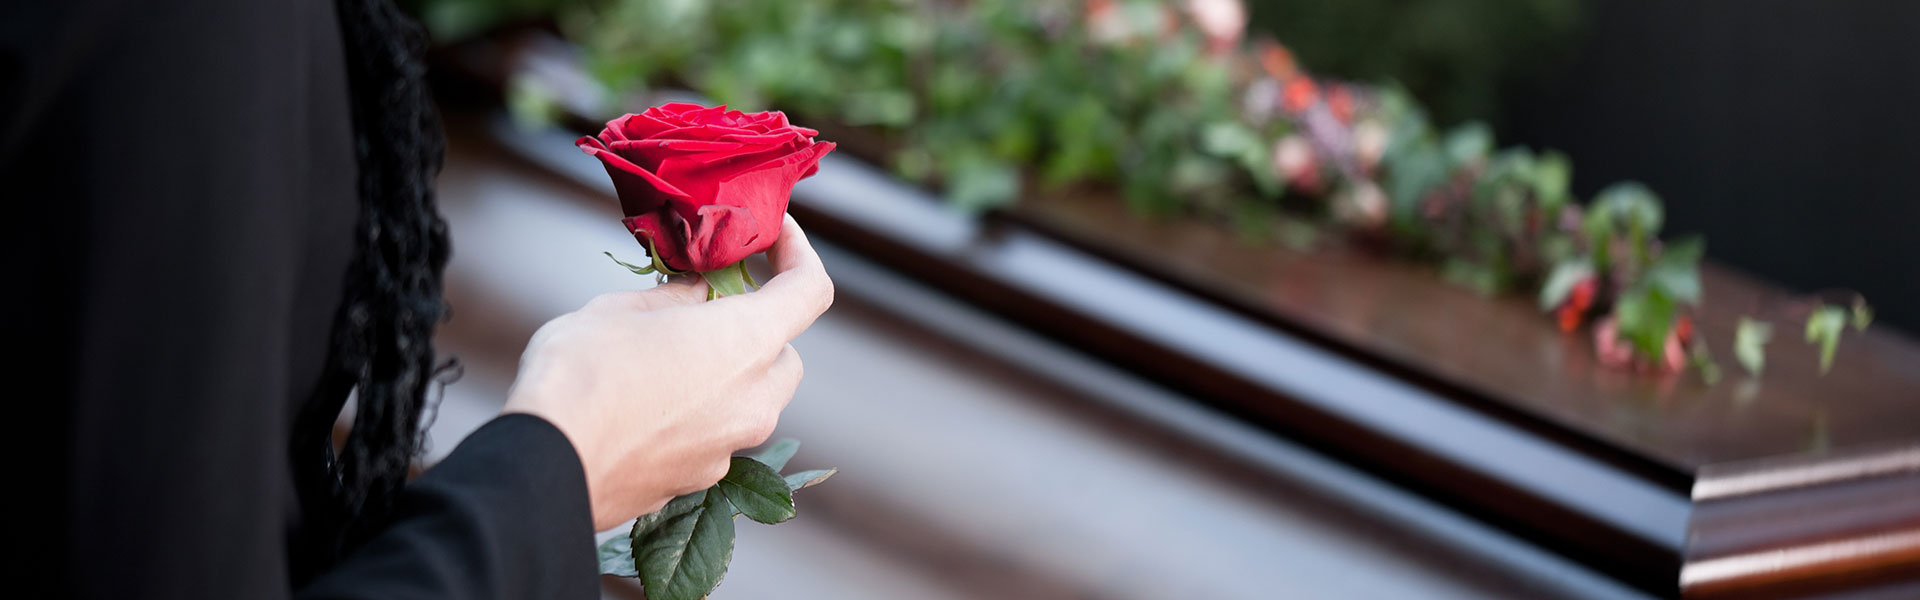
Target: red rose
[704, 187]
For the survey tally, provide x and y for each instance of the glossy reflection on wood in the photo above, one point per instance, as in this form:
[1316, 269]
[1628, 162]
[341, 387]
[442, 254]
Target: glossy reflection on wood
[1501, 352]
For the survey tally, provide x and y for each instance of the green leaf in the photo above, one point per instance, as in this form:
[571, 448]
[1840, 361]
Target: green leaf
[1702, 359]
[1823, 328]
[1469, 143]
[778, 453]
[1551, 176]
[757, 491]
[1750, 344]
[1560, 283]
[1677, 270]
[807, 479]
[1228, 139]
[730, 280]
[978, 183]
[683, 556]
[647, 523]
[616, 557]
[1645, 316]
[1628, 205]
[637, 270]
[1862, 314]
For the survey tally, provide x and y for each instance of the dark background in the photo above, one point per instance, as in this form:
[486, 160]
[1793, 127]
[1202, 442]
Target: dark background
[1783, 130]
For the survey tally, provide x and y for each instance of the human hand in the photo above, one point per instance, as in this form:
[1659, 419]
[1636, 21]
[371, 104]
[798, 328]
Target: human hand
[657, 388]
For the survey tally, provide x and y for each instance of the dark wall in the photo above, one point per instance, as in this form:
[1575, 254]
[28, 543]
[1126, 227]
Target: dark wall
[1786, 131]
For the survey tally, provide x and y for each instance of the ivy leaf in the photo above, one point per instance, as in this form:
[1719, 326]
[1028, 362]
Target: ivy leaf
[1823, 328]
[1560, 283]
[757, 491]
[683, 556]
[1750, 344]
[616, 557]
[778, 453]
[807, 479]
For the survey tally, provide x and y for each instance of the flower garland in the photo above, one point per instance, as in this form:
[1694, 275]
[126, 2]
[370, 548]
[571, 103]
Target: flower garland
[1166, 103]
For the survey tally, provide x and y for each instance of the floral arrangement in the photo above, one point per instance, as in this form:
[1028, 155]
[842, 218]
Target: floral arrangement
[1166, 104]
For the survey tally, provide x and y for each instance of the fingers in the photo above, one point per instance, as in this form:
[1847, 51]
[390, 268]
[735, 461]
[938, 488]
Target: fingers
[774, 390]
[798, 293]
[678, 291]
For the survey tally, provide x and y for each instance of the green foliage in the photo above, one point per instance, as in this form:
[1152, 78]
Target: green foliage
[1560, 283]
[682, 550]
[1749, 344]
[757, 491]
[1823, 328]
[616, 557]
[991, 100]
[778, 453]
[1646, 314]
[806, 479]
[1677, 270]
[683, 554]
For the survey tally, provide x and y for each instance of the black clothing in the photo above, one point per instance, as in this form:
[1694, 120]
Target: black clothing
[179, 178]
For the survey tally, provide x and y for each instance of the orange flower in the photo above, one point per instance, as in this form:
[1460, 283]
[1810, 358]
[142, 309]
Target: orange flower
[1576, 304]
[1340, 101]
[1300, 95]
[1277, 61]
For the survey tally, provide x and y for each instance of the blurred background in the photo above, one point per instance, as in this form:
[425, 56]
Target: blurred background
[1213, 299]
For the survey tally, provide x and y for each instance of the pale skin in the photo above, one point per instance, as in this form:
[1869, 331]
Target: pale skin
[657, 388]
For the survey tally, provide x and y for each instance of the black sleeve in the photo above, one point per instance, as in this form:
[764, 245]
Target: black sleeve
[180, 185]
[505, 516]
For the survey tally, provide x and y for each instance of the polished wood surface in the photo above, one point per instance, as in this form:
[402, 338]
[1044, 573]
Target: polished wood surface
[1502, 350]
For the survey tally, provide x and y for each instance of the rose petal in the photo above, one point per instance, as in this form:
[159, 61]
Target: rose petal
[700, 175]
[648, 154]
[640, 190]
[664, 234]
[720, 235]
[765, 190]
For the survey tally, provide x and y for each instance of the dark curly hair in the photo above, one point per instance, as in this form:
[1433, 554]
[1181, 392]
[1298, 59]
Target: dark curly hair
[381, 348]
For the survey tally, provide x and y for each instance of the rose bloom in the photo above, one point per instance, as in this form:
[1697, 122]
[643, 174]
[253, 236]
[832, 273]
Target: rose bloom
[1222, 21]
[704, 187]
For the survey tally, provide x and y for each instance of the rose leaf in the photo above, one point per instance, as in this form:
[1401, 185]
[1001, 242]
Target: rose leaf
[683, 556]
[806, 479]
[778, 453]
[616, 557]
[757, 491]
